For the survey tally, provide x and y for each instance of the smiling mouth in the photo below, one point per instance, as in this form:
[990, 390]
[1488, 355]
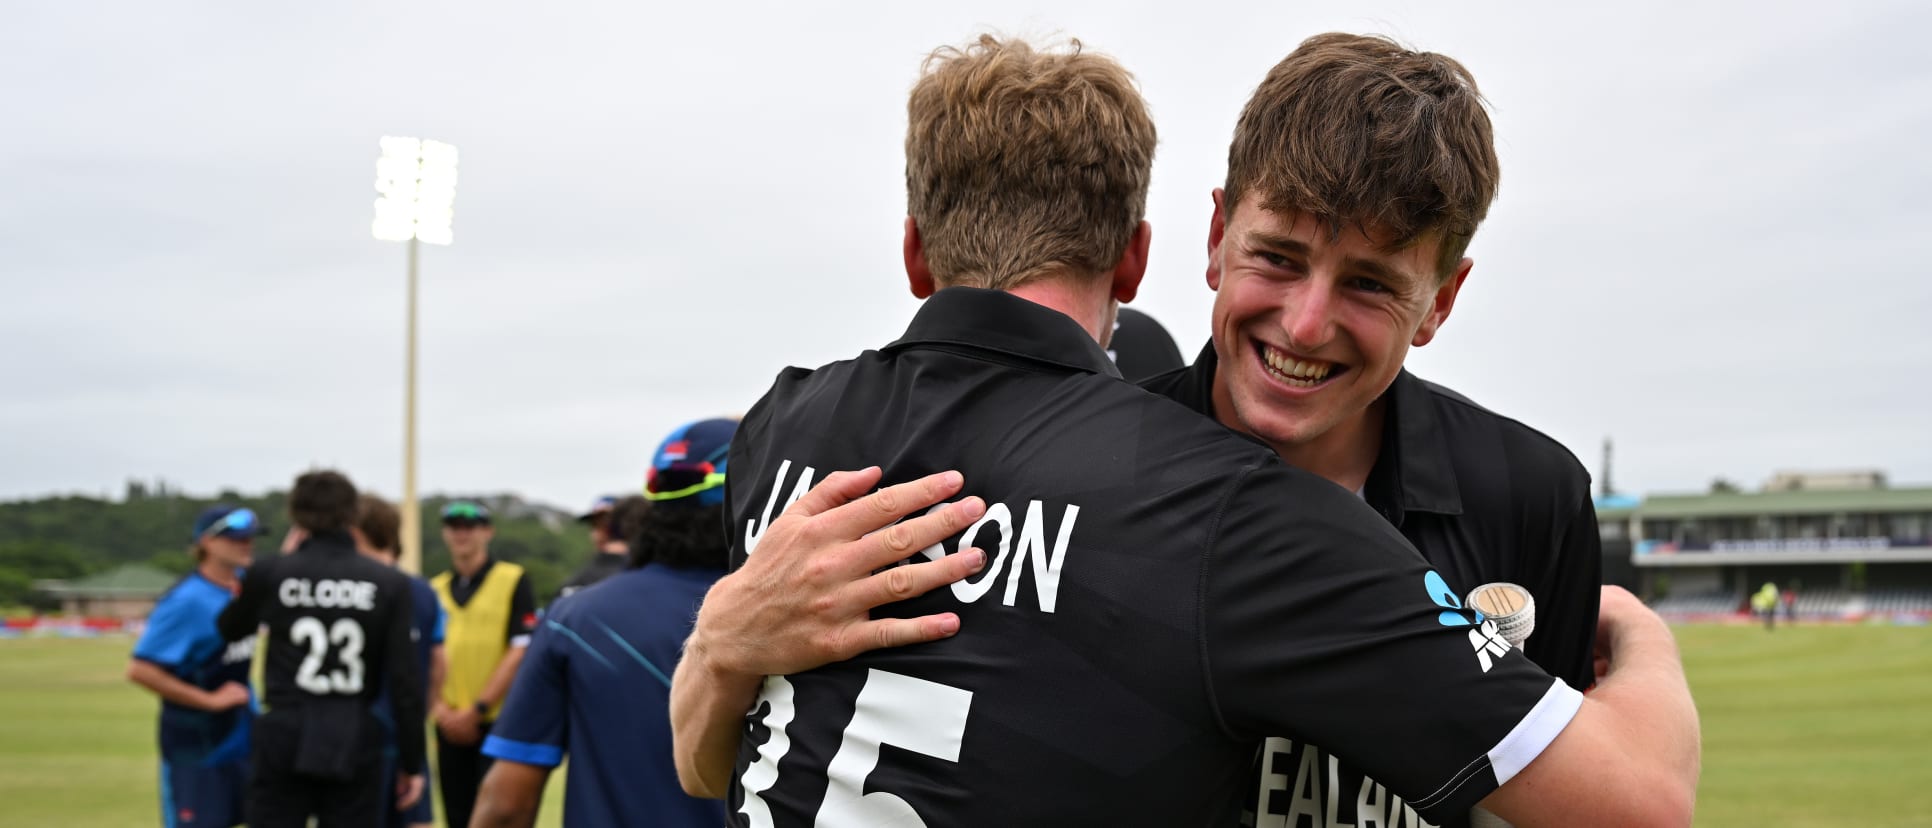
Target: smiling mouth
[1296, 373]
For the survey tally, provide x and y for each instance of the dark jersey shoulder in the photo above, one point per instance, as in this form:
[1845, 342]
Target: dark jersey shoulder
[1528, 453]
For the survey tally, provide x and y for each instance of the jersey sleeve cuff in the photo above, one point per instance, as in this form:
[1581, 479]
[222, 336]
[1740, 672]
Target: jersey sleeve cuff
[543, 756]
[1535, 732]
[520, 641]
[1524, 742]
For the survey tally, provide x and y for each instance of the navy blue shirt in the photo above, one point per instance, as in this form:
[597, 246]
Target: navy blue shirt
[426, 626]
[596, 684]
[181, 638]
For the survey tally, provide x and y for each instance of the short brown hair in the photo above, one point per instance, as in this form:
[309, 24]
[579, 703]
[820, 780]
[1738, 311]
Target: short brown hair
[1020, 161]
[323, 501]
[379, 523]
[1356, 129]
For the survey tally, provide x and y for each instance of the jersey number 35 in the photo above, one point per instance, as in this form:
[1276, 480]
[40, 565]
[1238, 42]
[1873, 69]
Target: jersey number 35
[892, 709]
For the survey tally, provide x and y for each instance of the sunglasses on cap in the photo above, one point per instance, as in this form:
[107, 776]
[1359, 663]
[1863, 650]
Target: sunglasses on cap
[240, 524]
[464, 514]
[682, 480]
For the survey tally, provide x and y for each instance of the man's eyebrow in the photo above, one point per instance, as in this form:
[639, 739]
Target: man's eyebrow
[1285, 244]
[1393, 277]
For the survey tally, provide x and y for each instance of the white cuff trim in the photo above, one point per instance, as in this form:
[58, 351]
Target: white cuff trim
[1535, 732]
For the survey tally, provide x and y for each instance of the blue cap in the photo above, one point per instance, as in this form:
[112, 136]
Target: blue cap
[465, 511]
[599, 507]
[238, 522]
[689, 466]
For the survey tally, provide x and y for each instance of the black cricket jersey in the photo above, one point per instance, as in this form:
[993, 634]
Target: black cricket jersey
[338, 632]
[1485, 499]
[1160, 594]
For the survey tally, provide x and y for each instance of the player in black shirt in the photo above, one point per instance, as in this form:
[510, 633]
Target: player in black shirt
[1311, 328]
[338, 631]
[1160, 593]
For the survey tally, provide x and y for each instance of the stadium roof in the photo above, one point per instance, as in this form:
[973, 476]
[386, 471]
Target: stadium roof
[1616, 505]
[1918, 499]
[129, 580]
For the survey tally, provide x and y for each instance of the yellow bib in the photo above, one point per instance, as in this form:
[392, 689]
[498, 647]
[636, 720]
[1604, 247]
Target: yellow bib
[477, 634]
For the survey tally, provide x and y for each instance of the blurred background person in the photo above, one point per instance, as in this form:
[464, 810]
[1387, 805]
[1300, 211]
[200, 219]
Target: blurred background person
[608, 551]
[377, 535]
[1765, 603]
[597, 683]
[338, 635]
[202, 680]
[490, 611]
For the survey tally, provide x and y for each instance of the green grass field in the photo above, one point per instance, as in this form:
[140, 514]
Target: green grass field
[77, 740]
[1805, 726]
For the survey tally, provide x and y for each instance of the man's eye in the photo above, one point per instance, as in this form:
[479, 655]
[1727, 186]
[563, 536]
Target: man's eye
[1368, 285]
[1275, 259]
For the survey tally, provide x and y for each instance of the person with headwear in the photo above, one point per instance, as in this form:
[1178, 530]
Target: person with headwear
[608, 549]
[491, 611]
[596, 682]
[206, 706]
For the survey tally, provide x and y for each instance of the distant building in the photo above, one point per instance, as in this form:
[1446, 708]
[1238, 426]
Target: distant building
[126, 592]
[1810, 481]
[1850, 544]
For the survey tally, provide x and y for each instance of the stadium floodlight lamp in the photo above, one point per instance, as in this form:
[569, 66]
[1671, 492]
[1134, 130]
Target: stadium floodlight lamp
[415, 202]
[416, 187]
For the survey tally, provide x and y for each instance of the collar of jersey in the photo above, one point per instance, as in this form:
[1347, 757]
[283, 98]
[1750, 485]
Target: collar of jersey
[328, 542]
[992, 320]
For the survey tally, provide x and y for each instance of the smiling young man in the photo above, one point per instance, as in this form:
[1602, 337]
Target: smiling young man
[1357, 176]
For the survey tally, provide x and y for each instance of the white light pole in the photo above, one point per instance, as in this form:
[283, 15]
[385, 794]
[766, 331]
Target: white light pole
[417, 184]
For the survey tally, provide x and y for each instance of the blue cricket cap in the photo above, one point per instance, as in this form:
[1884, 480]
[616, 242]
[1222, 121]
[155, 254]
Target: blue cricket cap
[598, 508]
[238, 522]
[689, 466]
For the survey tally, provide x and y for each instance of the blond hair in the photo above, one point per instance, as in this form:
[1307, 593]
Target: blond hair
[1022, 162]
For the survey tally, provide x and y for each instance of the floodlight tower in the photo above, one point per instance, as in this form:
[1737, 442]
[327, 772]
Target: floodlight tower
[416, 183]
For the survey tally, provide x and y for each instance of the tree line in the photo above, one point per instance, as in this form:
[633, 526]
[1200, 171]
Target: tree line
[69, 537]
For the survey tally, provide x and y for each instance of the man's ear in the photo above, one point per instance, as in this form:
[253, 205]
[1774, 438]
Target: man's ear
[1132, 266]
[1217, 229]
[1443, 302]
[918, 276]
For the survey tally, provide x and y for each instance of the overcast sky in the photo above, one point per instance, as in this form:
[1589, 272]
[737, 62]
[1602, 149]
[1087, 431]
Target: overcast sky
[1711, 241]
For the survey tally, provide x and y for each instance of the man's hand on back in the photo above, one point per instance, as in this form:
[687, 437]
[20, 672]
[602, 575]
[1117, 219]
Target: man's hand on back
[805, 598]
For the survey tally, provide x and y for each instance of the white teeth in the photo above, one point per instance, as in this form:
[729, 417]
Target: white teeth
[1297, 372]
